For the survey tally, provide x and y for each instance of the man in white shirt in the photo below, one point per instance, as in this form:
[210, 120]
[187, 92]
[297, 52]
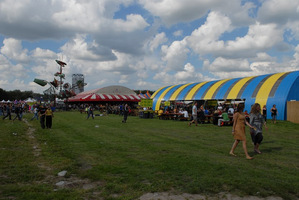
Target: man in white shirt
[185, 112]
[194, 114]
[231, 110]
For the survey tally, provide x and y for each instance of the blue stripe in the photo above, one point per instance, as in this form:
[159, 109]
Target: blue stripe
[281, 95]
[185, 91]
[222, 91]
[247, 94]
[171, 91]
[202, 91]
[157, 96]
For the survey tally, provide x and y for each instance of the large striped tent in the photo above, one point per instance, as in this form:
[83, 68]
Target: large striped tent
[106, 94]
[265, 89]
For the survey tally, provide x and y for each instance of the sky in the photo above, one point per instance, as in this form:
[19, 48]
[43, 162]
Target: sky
[145, 44]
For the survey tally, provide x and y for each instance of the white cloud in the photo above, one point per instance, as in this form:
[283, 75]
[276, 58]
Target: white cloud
[176, 11]
[294, 63]
[294, 30]
[132, 23]
[123, 79]
[158, 40]
[283, 13]
[262, 56]
[259, 38]
[175, 55]
[173, 11]
[228, 65]
[13, 49]
[5, 67]
[164, 78]
[77, 15]
[187, 75]
[205, 39]
[43, 53]
[79, 49]
[279, 12]
[178, 33]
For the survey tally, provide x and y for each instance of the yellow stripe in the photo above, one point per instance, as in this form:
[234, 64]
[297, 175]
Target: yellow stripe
[194, 89]
[177, 92]
[212, 90]
[237, 87]
[155, 93]
[162, 97]
[264, 91]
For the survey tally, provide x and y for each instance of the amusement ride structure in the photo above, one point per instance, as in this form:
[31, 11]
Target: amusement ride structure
[57, 87]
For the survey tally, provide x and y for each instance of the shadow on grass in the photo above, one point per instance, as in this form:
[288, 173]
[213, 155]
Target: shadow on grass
[272, 149]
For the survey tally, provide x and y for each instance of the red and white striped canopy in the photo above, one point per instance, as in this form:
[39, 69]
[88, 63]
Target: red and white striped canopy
[104, 97]
[111, 93]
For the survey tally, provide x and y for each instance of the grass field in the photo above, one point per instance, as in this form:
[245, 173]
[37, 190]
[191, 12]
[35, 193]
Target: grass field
[107, 159]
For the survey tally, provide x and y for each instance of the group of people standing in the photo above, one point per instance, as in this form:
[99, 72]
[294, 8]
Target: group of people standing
[124, 110]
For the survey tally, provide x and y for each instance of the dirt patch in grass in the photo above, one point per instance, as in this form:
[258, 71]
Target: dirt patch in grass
[185, 196]
[64, 182]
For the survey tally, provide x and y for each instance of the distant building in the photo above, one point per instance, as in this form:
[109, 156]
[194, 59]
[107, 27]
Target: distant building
[78, 83]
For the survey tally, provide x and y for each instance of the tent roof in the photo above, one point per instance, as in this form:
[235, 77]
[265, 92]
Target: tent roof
[266, 90]
[110, 93]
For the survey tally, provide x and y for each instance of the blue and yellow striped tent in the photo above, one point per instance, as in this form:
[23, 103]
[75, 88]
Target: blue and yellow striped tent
[265, 89]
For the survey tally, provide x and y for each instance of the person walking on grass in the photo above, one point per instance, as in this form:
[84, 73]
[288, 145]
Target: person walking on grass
[125, 112]
[35, 113]
[18, 113]
[239, 131]
[8, 112]
[257, 121]
[42, 115]
[90, 112]
[194, 115]
[49, 116]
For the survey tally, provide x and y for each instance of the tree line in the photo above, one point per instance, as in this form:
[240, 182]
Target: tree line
[144, 91]
[21, 95]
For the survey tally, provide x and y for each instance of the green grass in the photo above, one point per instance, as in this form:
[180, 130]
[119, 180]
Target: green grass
[125, 161]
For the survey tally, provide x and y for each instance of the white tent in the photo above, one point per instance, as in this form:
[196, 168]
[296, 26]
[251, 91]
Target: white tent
[30, 100]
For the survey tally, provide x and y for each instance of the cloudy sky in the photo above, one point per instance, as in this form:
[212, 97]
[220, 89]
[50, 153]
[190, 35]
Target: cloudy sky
[145, 44]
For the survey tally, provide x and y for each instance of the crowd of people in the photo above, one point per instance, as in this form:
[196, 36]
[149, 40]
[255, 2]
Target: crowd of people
[123, 109]
[41, 112]
[235, 115]
[7, 109]
[256, 119]
[200, 114]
